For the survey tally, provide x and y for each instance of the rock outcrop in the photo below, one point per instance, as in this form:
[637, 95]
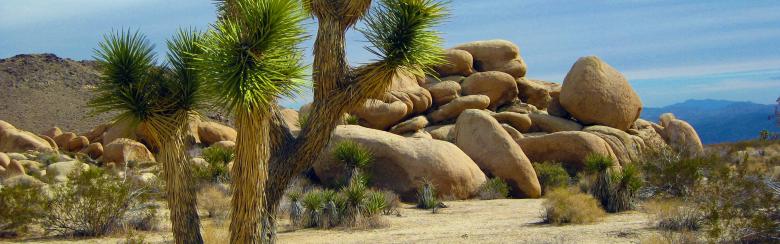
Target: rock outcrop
[211, 132]
[483, 139]
[498, 86]
[569, 148]
[595, 93]
[496, 55]
[401, 163]
[457, 62]
[123, 150]
[16, 140]
[456, 107]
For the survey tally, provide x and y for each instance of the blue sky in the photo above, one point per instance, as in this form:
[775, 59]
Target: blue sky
[670, 50]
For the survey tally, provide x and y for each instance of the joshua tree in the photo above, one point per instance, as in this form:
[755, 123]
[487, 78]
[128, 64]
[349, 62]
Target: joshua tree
[252, 58]
[160, 100]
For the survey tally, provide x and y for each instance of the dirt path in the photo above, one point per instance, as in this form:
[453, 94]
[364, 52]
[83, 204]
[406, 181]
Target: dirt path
[494, 221]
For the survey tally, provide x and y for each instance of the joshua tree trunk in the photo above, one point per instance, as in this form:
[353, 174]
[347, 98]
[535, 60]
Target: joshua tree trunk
[181, 192]
[335, 93]
[249, 173]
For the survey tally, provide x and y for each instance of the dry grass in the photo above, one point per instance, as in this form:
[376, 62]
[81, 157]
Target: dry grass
[215, 233]
[568, 206]
[671, 238]
[673, 215]
[215, 202]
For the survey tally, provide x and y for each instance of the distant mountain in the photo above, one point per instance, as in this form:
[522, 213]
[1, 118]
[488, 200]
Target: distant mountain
[719, 121]
[38, 91]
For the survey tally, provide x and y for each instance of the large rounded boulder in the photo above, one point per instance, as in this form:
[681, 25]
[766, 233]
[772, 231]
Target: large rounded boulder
[455, 107]
[500, 87]
[627, 148]
[123, 150]
[483, 139]
[211, 132]
[16, 140]
[400, 163]
[568, 147]
[682, 137]
[496, 55]
[380, 115]
[595, 93]
[456, 62]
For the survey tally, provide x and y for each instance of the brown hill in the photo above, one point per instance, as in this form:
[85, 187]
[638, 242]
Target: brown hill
[38, 91]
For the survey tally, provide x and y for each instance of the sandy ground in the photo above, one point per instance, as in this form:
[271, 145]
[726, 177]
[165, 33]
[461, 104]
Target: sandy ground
[494, 221]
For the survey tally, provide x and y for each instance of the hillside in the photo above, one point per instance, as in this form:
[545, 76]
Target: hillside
[719, 121]
[42, 90]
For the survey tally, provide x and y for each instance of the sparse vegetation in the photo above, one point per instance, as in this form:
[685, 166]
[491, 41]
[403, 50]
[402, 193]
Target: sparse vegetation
[551, 175]
[296, 208]
[352, 120]
[216, 171]
[215, 201]
[355, 158]
[92, 203]
[674, 215]
[494, 188]
[569, 206]
[20, 206]
[426, 195]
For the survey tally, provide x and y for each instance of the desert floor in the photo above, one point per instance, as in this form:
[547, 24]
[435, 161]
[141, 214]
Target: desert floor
[493, 221]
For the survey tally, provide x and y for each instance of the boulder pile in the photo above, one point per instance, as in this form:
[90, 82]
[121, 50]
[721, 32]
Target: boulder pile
[478, 117]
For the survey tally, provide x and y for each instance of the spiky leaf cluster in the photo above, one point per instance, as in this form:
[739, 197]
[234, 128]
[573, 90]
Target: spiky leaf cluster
[137, 87]
[255, 58]
[401, 34]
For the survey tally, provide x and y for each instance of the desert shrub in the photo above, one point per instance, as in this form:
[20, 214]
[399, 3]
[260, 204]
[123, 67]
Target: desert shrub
[674, 215]
[565, 206]
[671, 237]
[330, 211]
[352, 120]
[738, 206]
[672, 174]
[392, 202]
[217, 170]
[91, 203]
[426, 195]
[215, 201]
[20, 206]
[624, 186]
[354, 195]
[599, 167]
[374, 203]
[296, 208]
[494, 188]
[132, 237]
[551, 175]
[355, 158]
[314, 202]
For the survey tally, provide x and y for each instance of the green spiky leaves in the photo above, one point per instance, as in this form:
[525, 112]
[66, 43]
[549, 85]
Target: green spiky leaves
[253, 59]
[125, 59]
[186, 83]
[401, 34]
[140, 90]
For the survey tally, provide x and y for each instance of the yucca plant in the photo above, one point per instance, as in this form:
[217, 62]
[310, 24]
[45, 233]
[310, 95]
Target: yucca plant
[374, 203]
[160, 99]
[330, 212]
[624, 187]
[599, 167]
[296, 208]
[253, 58]
[426, 195]
[355, 193]
[314, 202]
[355, 158]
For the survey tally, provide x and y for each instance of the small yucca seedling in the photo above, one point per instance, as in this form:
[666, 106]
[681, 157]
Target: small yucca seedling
[355, 158]
[330, 213]
[600, 166]
[352, 120]
[374, 203]
[426, 195]
[354, 194]
[494, 188]
[296, 208]
[624, 187]
[314, 202]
